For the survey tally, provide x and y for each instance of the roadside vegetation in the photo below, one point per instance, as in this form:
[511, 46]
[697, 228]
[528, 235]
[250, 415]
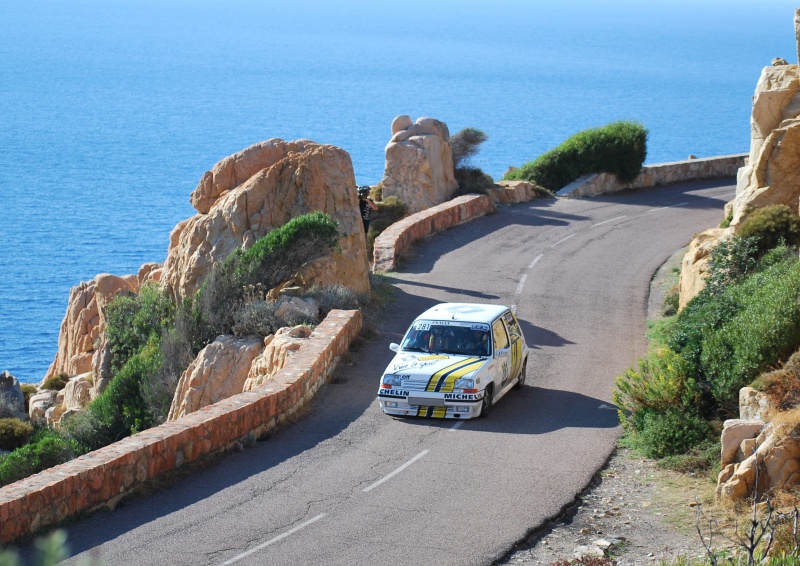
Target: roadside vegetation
[151, 342]
[619, 148]
[466, 144]
[742, 329]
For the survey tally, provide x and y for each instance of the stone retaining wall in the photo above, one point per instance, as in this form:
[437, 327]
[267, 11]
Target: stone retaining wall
[102, 477]
[657, 175]
[397, 238]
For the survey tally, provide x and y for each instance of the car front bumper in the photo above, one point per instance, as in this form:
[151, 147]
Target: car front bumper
[425, 404]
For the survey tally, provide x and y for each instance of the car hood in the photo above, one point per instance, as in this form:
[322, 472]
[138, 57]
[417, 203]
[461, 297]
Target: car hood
[418, 366]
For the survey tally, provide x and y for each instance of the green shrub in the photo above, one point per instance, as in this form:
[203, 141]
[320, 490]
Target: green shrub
[14, 433]
[729, 262]
[728, 339]
[619, 148]
[56, 382]
[47, 448]
[702, 459]
[120, 410]
[28, 391]
[465, 144]
[389, 211]
[472, 180]
[272, 260]
[661, 382]
[668, 433]
[130, 320]
[336, 296]
[770, 225]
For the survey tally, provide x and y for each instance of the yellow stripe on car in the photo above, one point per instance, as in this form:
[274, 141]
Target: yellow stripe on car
[450, 374]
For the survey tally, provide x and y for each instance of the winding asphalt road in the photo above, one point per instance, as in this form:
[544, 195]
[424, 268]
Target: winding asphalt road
[349, 485]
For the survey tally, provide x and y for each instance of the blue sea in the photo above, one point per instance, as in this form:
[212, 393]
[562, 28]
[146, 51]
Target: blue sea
[111, 111]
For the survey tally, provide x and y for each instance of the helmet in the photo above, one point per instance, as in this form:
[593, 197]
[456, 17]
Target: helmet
[363, 191]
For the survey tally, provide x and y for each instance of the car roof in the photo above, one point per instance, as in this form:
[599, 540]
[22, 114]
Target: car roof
[463, 312]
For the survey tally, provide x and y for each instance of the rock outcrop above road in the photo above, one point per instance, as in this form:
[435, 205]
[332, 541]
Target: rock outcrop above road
[83, 321]
[770, 177]
[695, 263]
[248, 194]
[218, 372]
[419, 163]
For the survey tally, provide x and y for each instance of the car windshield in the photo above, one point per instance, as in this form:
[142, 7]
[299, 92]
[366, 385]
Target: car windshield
[448, 337]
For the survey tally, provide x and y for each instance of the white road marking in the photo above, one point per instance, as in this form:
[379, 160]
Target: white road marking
[521, 283]
[562, 240]
[397, 471]
[456, 426]
[274, 540]
[536, 259]
[666, 207]
[609, 220]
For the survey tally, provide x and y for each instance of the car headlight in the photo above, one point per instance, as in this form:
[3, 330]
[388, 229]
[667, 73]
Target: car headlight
[392, 379]
[464, 383]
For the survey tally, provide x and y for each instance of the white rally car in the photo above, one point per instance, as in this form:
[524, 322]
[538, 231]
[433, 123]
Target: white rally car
[455, 361]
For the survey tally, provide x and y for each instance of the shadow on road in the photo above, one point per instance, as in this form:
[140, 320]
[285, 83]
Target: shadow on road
[673, 194]
[534, 410]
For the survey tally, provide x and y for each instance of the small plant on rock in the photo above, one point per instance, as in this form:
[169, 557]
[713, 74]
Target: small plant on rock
[14, 433]
[56, 382]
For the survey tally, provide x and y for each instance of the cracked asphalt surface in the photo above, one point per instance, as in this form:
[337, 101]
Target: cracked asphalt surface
[479, 490]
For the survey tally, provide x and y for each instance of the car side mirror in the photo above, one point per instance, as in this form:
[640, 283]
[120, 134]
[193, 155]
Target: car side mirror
[498, 353]
[394, 347]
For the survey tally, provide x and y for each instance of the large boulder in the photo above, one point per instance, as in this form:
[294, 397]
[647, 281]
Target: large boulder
[83, 321]
[11, 395]
[770, 176]
[247, 195]
[219, 371]
[777, 457]
[77, 392]
[38, 405]
[278, 348]
[419, 164]
[695, 263]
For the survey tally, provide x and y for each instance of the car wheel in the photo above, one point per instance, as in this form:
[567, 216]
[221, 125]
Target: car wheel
[486, 406]
[522, 375]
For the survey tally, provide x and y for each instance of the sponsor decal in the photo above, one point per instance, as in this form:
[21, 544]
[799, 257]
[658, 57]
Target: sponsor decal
[435, 357]
[460, 397]
[393, 393]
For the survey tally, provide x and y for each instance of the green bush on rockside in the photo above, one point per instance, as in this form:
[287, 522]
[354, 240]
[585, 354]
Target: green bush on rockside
[131, 320]
[730, 338]
[465, 145]
[769, 226]
[47, 448]
[120, 410]
[270, 261]
[56, 382]
[14, 433]
[389, 211]
[619, 148]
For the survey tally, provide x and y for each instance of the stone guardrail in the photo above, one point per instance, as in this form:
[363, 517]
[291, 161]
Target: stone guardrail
[102, 477]
[657, 175]
[398, 238]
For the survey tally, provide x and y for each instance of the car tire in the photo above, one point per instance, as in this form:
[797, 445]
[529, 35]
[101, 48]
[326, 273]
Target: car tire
[522, 375]
[488, 396]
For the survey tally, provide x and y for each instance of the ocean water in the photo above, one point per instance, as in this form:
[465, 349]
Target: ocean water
[111, 111]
